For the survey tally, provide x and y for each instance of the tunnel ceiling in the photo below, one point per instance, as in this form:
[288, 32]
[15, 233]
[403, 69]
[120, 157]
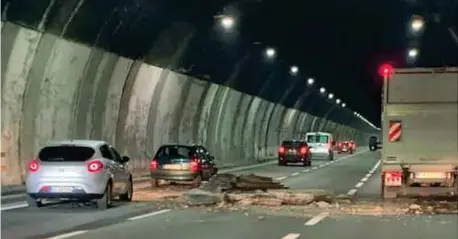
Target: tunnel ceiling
[181, 35]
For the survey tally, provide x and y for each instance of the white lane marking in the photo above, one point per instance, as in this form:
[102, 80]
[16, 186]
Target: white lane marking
[13, 196]
[358, 185]
[67, 235]
[149, 214]
[248, 167]
[6, 207]
[314, 220]
[361, 182]
[291, 236]
[322, 165]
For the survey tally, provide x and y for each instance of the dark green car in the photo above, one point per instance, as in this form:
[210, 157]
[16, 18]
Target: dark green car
[182, 163]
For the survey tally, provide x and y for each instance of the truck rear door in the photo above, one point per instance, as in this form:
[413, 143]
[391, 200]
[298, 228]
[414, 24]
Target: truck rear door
[421, 122]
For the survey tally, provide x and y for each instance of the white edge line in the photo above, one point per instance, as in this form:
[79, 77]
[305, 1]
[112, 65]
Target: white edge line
[314, 220]
[6, 207]
[364, 179]
[149, 214]
[13, 196]
[280, 178]
[291, 236]
[67, 235]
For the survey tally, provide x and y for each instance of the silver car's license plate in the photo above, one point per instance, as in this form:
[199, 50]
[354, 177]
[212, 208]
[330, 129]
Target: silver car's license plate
[61, 189]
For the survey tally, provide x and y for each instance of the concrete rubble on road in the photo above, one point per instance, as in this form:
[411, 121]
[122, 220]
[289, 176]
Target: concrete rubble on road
[251, 190]
[258, 194]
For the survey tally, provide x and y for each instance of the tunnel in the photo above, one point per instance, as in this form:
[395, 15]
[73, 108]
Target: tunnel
[122, 72]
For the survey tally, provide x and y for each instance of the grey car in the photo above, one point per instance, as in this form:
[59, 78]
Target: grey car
[82, 170]
[182, 163]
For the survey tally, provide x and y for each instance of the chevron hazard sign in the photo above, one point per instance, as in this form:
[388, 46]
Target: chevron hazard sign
[394, 131]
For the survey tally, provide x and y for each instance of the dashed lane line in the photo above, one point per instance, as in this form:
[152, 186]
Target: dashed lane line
[319, 166]
[363, 180]
[76, 233]
[149, 214]
[67, 235]
[360, 184]
[291, 236]
[316, 219]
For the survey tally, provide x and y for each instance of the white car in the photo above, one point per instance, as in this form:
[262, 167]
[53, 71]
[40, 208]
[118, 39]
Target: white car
[321, 145]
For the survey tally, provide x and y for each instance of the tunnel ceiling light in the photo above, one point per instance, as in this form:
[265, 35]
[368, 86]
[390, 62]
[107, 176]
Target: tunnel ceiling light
[344, 105]
[322, 90]
[294, 70]
[413, 53]
[227, 22]
[331, 96]
[270, 52]
[417, 23]
[338, 101]
[310, 81]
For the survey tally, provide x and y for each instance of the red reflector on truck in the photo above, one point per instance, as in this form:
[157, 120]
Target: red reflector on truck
[394, 130]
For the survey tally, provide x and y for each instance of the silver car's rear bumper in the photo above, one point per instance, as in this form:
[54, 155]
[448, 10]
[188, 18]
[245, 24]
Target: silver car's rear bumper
[76, 185]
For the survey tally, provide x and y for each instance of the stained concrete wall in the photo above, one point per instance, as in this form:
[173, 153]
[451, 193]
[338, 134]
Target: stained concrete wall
[56, 89]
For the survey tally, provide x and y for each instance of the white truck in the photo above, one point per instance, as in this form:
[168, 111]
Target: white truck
[420, 132]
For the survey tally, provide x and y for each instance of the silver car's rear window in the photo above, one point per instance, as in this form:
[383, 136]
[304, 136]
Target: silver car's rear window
[66, 153]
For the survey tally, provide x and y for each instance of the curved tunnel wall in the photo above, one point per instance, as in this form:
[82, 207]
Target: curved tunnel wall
[57, 89]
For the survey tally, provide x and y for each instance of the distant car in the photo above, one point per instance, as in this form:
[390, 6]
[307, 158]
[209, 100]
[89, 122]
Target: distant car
[321, 145]
[79, 170]
[182, 163]
[353, 144]
[373, 143]
[291, 151]
[345, 147]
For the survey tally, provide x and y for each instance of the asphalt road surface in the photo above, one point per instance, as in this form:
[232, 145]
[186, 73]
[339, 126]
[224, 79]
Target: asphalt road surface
[349, 174]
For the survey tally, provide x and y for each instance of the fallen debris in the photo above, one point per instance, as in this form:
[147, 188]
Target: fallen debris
[220, 185]
[252, 190]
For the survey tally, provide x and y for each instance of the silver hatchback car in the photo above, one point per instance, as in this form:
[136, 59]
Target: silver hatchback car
[82, 170]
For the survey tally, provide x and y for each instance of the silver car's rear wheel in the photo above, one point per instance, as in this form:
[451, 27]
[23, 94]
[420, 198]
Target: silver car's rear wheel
[105, 201]
[33, 203]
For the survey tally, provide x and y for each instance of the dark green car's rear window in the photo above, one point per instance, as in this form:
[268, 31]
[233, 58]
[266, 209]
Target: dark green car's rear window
[175, 154]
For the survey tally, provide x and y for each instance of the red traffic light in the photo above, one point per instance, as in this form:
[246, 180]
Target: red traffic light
[385, 70]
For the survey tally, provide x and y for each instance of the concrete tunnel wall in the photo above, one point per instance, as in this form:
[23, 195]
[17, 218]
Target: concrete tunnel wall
[53, 88]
